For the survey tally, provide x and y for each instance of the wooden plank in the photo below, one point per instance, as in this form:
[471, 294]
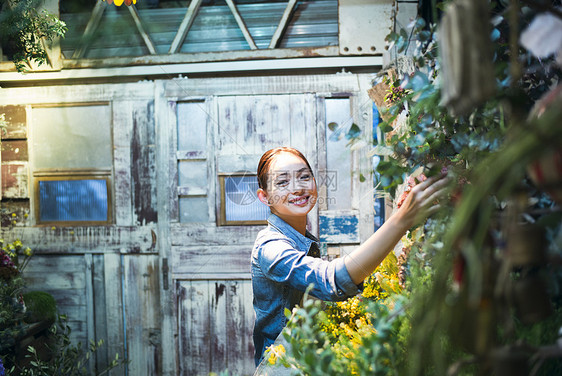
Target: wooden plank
[212, 195]
[194, 323]
[311, 147]
[16, 118]
[241, 24]
[168, 146]
[122, 133]
[191, 191]
[115, 340]
[238, 327]
[210, 235]
[339, 227]
[57, 95]
[366, 192]
[142, 313]
[100, 314]
[215, 320]
[218, 296]
[59, 278]
[167, 210]
[211, 259]
[64, 277]
[191, 155]
[90, 314]
[249, 318]
[95, 239]
[185, 26]
[143, 168]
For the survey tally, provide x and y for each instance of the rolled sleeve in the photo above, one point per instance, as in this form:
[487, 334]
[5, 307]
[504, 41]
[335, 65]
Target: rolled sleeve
[345, 286]
[282, 263]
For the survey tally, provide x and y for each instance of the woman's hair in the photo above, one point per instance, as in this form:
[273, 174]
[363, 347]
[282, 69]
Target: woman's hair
[269, 156]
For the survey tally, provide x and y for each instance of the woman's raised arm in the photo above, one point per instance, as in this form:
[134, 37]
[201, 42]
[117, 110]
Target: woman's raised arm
[420, 203]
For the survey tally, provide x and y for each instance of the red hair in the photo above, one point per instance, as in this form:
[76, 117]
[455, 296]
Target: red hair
[267, 159]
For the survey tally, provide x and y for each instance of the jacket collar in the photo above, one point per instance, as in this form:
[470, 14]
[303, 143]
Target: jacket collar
[286, 229]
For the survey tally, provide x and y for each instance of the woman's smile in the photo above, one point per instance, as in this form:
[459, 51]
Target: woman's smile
[299, 201]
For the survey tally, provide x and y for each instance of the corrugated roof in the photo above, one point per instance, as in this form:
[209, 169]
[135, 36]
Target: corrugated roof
[313, 24]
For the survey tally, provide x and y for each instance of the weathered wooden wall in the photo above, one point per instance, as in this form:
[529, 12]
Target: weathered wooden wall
[172, 295]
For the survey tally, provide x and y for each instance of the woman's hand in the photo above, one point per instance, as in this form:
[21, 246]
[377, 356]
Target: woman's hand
[422, 200]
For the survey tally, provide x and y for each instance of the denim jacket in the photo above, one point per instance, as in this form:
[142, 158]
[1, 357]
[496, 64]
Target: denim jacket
[282, 269]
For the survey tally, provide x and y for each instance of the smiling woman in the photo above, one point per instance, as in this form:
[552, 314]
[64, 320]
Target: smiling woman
[285, 258]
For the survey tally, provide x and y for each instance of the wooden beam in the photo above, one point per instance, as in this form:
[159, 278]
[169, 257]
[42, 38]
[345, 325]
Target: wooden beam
[283, 24]
[241, 24]
[185, 25]
[140, 28]
[91, 28]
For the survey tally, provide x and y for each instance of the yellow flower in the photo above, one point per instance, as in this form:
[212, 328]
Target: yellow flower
[28, 252]
[120, 2]
[275, 352]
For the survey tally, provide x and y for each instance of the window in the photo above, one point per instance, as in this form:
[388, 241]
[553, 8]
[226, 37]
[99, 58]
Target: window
[192, 162]
[70, 198]
[338, 156]
[239, 202]
[71, 158]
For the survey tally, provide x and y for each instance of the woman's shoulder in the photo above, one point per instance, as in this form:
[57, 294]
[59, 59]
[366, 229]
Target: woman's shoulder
[271, 234]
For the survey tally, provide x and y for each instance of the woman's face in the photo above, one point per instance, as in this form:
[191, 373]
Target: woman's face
[291, 188]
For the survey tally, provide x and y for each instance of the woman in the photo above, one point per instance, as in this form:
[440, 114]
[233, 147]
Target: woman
[285, 255]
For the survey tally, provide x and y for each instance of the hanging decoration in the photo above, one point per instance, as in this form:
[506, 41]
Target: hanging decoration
[120, 2]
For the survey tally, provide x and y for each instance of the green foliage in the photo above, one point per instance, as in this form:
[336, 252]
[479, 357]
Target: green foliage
[59, 356]
[11, 311]
[24, 30]
[40, 306]
[376, 349]
[66, 358]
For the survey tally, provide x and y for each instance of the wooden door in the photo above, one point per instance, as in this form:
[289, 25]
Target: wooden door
[211, 263]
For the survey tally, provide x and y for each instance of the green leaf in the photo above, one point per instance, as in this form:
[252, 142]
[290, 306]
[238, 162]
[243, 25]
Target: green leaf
[362, 178]
[333, 126]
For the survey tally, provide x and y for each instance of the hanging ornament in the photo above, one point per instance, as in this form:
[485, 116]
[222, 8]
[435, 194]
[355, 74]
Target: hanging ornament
[120, 2]
[546, 171]
[466, 56]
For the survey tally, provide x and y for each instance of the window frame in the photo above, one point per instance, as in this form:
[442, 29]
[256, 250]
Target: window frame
[72, 174]
[221, 218]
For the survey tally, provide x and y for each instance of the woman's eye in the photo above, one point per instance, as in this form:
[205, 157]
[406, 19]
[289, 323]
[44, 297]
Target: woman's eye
[281, 183]
[305, 177]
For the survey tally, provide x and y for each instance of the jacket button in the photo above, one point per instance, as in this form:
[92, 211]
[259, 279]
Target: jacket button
[340, 292]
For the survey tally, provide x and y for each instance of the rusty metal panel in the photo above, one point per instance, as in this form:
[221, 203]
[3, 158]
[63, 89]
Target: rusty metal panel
[16, 117]
[14, 150]
[14, 180]
[363, 26]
